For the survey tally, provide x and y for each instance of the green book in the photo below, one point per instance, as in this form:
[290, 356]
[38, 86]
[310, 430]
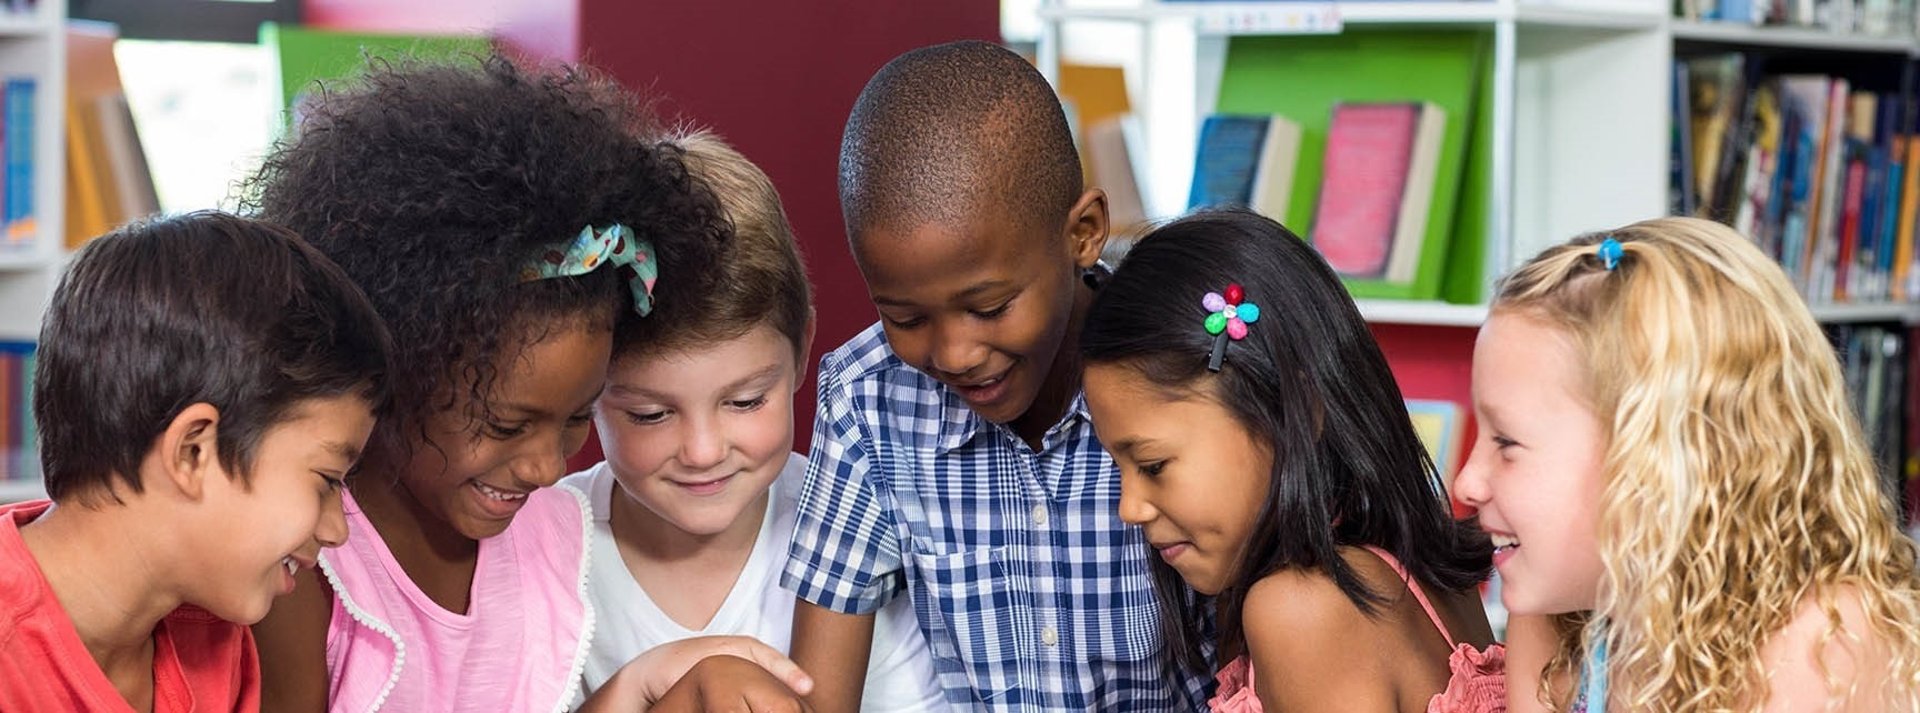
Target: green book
[1305, 77]
[308, 55]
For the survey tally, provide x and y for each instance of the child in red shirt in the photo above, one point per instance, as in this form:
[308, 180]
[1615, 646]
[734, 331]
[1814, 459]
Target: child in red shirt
[205, 384]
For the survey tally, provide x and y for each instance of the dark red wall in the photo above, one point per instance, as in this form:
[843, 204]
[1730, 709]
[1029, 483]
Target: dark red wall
[777, 79]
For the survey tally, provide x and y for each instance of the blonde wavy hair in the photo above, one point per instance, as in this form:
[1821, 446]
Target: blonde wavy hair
[1737, 480]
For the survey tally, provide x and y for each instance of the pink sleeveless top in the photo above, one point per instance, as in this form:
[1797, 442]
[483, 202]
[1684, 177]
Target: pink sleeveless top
[519, 647]
[1478, 683]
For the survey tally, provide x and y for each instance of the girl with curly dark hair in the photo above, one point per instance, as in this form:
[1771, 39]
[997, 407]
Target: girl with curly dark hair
[498, 217]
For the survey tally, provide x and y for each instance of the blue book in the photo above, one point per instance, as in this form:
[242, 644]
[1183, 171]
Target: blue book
[17, 208]
[1228, 157]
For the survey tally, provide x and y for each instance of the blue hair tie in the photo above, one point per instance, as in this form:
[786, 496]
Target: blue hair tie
[1610, 253]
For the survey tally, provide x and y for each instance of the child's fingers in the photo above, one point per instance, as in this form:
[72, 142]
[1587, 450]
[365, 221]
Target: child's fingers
[776, 663]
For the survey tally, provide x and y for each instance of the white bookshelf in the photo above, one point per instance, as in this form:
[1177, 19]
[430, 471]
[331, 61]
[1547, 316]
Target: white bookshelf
[1580, 105]
[1791, 37]
[13, 491]
[1424, 312]
[1907, 313]
[34, 45]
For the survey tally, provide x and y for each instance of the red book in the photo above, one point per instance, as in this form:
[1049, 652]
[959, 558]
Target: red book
[1377, 188]
[1849, 226]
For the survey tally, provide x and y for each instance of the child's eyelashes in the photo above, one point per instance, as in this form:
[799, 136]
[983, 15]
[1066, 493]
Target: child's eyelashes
[752, 404]
[644, 418]
[1153, 469]
[504, 431]
[995, 312]
[334, 482]
[580, 419]
[1503, 443]
[909, 323]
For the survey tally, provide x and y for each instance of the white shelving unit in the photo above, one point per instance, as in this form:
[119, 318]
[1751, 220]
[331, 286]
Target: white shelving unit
[1580, 104]
[1422, 312]
[34, 45]
[1791, 37]
[13, 491]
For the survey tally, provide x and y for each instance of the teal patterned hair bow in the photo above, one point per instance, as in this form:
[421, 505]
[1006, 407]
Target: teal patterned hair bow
[593, 247]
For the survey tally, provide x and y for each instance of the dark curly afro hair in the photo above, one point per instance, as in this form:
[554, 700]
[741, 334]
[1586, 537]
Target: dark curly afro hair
[433, 183]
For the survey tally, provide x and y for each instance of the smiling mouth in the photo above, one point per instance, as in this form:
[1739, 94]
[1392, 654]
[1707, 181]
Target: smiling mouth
[985, 390]
[1504, 543]
[498, 494]
[1170, 552]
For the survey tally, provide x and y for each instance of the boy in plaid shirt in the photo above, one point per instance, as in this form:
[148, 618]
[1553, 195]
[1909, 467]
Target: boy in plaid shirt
[953, 460]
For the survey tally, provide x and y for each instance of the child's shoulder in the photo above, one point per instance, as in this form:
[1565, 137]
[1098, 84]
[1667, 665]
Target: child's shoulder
[867, 355]
[593, 486]
[1820, 644]
[1303, 610]
[1307, 637]
[1297, 606]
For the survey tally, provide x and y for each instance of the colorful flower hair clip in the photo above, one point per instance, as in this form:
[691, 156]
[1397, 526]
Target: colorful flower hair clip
[1227, 318]
[1610, 252]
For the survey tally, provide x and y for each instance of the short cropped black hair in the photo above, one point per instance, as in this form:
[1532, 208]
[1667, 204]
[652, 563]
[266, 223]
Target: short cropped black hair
[434, 185]
[199, 308]
[946, 131]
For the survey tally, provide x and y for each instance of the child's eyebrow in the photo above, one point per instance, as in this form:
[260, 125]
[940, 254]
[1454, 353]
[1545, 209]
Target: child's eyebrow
[347, 451]
[771, 371]
[971, 291]
[986, 286]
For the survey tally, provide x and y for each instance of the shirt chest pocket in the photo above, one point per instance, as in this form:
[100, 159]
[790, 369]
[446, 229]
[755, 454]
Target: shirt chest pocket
[969, 591]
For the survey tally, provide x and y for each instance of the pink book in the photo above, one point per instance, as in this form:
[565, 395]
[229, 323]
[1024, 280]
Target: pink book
[1375, 188]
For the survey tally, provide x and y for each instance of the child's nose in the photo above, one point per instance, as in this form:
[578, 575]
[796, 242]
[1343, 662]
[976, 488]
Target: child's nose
[702, 446]
[332, 530]
[1134, 509]
[1470, 485]
[957, 353]
[543, 468]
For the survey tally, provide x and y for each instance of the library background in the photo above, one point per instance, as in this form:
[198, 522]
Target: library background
[1489, 129]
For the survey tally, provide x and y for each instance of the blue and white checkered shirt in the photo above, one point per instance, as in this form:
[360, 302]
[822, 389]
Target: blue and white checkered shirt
[1031, 591]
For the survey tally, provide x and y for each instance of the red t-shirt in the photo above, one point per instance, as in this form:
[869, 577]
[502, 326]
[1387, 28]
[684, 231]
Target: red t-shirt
[200, 662]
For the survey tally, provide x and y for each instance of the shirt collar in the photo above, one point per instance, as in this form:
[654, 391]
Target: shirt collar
[960, 424]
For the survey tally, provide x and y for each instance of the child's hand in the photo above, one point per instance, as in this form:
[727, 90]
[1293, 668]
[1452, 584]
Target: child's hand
[730, 684]
[724, 671]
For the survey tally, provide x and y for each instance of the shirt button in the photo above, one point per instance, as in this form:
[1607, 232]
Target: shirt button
[1049, 637]
[1040, 515]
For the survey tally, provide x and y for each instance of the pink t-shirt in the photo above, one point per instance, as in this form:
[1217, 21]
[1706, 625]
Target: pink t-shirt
[1478, 683]
[519, 646]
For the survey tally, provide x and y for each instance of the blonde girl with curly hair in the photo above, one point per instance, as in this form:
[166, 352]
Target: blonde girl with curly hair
[1685, 515]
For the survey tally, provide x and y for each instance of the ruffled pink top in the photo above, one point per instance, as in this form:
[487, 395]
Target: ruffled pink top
[1478, 683]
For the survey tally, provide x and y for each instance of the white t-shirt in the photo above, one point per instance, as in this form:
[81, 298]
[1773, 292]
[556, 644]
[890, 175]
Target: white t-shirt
[900, 674]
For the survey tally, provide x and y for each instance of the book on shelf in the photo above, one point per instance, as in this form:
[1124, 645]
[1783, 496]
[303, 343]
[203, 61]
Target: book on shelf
[1376, 190]
[1106, 132]
[18, 138]
[1875, 360]
[18, 457]
[1247, 161]
[1108, 155]
[1308, 78]
[1823, 174]
[1441, 426]
[1865, 17]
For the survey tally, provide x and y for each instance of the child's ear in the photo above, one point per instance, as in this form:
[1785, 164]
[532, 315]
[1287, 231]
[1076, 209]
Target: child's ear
[1087, 228]
[188, 452]
[802, 366]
